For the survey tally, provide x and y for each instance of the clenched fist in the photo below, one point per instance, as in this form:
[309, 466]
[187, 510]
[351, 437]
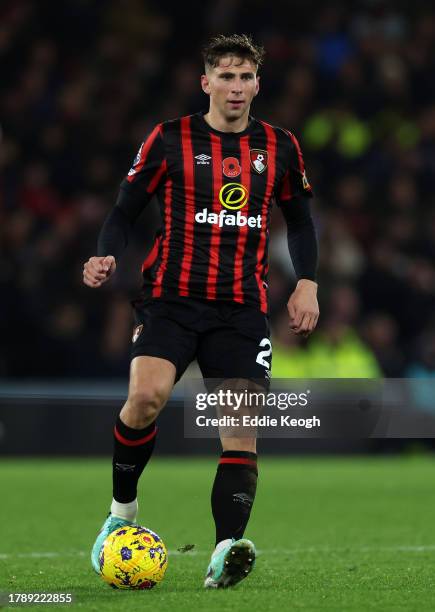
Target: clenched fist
[97, 270]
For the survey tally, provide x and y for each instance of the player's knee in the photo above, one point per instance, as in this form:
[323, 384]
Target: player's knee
[147, 402]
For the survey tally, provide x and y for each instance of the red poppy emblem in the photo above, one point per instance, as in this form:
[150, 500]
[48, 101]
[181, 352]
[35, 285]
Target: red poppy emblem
[231, 167]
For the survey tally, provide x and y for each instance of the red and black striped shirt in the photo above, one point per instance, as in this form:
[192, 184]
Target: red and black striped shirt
[215, 191]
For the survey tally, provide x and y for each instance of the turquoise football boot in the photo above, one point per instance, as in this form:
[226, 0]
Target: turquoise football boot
[110, 524]
[230, 565]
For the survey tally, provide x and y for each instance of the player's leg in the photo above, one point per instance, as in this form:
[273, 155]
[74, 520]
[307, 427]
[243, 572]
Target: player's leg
[232, 498]
[151, 382]
[162, 348]
[234, 488]
[234, 352]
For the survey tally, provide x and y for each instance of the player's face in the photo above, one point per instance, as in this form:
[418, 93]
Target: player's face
[231, 85]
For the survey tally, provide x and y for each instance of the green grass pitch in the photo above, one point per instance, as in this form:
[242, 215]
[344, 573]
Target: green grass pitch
[333, 534]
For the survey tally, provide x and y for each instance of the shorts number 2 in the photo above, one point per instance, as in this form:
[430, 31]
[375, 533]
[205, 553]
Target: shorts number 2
[262, 355]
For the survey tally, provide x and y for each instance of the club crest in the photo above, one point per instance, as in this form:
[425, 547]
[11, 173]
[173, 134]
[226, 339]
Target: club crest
[258, 160]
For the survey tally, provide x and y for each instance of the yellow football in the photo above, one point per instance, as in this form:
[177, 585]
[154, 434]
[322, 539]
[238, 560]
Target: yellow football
[133, 557]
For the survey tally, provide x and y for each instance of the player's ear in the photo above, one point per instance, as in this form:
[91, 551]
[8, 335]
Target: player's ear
[205, 84]
[257, 86]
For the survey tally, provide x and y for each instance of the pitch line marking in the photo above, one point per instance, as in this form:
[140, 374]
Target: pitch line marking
[348, 549]
[283, 551]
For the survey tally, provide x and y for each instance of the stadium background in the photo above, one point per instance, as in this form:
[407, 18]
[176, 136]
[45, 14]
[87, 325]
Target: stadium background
[79, 89]
[81, 81]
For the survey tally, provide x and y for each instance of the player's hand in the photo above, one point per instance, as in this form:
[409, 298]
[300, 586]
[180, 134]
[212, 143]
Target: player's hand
[303, 308]
[97, 270]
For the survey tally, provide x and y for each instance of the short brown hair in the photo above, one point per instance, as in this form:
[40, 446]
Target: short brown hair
[240, 45]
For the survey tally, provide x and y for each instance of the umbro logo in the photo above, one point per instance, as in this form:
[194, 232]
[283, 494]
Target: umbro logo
[202, 160]
[124, 467]
[243, 499]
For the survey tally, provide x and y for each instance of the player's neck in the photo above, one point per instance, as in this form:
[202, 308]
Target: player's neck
[220, 123]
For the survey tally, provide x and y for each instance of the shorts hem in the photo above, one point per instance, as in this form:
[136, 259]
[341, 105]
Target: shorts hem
[150, 352]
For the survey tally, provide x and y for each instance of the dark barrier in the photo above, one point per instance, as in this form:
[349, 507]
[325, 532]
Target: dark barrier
[77, 418]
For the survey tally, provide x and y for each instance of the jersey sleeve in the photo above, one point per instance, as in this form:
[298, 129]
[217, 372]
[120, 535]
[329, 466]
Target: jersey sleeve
[142, 181]
[294, 182]
[149, 166]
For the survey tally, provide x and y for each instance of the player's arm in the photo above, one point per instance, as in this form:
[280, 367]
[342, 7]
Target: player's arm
[112, 239]
[142, 181]
[302, 245]
[293, 198]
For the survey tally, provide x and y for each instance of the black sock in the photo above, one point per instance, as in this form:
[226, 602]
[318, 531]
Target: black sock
[132, 451]
[233, 493]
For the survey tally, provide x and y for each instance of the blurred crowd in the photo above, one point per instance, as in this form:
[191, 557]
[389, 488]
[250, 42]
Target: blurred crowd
[82, 84]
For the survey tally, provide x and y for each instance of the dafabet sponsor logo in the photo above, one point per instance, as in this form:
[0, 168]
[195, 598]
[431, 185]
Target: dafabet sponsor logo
[233, 197]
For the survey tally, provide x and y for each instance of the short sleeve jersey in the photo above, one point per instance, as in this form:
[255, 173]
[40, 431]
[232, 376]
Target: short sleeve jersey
[215, 191]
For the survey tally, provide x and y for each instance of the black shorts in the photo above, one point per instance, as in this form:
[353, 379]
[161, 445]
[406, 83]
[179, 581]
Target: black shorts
[229, 340]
